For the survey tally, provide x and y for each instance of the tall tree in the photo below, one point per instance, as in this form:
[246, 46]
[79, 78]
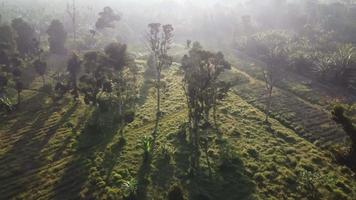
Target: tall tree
[107, 18]
[202, 88]
[57, 37]
[25, 37]
[344, 59]
[340, 117]
[272, 49]
[160, 39]
[72, 12]
[73, 68]
[41, 69]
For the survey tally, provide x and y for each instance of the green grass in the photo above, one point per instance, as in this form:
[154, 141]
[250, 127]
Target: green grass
[47, 151]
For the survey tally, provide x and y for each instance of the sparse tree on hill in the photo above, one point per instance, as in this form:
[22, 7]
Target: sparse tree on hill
[340, 117]
[344, 59]
[159, 39]
[272, 50]
[202, 88]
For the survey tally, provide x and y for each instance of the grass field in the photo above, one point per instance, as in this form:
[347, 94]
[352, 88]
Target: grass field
[49, 151]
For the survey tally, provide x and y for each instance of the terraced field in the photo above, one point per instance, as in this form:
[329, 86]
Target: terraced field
[47, 151]
[300, 112]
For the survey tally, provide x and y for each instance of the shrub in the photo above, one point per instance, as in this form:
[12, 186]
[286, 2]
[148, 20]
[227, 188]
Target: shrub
[130, 189]
[146, 145]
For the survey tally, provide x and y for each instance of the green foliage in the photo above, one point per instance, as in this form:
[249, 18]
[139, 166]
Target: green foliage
[130, 189]
[6, 104]
[146, 144]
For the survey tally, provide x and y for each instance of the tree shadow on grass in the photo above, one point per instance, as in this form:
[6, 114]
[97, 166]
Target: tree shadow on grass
[144, 91]
[93, 139]
[24, 158]
[229, 180]
[143, 178]
[163, 172]
[26, 113]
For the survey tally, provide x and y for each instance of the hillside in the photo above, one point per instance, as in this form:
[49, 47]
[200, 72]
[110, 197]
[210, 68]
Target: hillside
[47, 150]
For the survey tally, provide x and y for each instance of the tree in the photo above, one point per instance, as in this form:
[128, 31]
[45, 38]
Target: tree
[275, 58]
[7, 38]
[107, 18]
[3, 84]
[159, 39]
[19, 86]
[110, 73]
[323, 65]
[57, 37]
[202, 89]
[93, 79]
[72, 12]
[25, 37]
[121, 77]
[344, 59]
[73, 68]
[272, 49]
[341, 118]
[41, 69]
[189, 42]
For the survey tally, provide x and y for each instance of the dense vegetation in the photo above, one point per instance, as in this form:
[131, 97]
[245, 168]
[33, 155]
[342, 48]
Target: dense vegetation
[99, 104]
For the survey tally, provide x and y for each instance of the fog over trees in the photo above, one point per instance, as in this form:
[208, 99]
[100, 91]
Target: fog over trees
[178, 99]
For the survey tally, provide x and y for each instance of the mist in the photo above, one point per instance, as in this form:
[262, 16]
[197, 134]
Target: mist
[177, 99]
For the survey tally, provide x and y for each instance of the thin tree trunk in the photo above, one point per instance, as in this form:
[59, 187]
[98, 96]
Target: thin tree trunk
[43, 80]
[269, 104]
[18, 98]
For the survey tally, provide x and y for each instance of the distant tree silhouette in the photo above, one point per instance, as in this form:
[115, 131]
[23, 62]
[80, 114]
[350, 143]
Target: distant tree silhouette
[344, 60]
[93, 79]
[271, 48]
[7, 39]
[41, 69]
[3, 84]
[25, 36]
[189, 42]
[107, 18]
[74, 67]
[57, 37]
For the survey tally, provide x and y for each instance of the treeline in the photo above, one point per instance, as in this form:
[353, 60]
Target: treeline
[322, 60]
[309, 37]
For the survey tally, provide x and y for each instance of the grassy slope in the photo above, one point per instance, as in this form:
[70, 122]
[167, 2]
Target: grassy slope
[46, 153]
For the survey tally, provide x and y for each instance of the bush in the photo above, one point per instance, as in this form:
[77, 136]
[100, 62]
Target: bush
[146, 145]
[130, 189]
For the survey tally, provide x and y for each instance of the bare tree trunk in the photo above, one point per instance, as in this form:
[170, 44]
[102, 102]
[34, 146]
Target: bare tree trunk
[269, 104]
[18, 98]
[43, 81]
